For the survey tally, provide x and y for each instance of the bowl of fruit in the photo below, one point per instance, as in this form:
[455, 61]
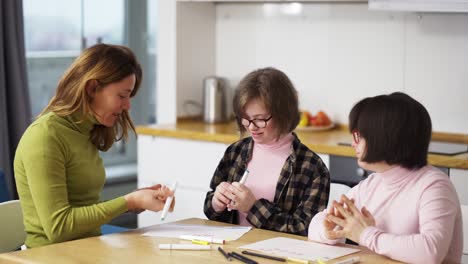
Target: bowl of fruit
[318, 122]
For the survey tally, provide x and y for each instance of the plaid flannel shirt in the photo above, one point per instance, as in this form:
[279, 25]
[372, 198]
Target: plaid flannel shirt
[302, 189]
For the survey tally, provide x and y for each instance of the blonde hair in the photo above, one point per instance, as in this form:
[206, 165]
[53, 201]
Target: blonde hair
[103, 64]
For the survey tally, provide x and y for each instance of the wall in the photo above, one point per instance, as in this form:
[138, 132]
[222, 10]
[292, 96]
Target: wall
[337, 54]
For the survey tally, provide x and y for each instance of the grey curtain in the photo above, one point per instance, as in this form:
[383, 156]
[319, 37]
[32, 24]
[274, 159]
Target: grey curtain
[15, 109]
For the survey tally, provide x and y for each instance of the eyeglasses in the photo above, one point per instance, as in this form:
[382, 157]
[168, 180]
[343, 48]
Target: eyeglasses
[260, 123]
[356, 136]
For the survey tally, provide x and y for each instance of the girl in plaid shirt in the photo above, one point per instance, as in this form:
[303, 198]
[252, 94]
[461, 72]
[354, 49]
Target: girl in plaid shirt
[288, 183]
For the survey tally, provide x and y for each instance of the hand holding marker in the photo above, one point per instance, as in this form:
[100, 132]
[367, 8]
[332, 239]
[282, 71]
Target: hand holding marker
[168, 203]
[242, 181]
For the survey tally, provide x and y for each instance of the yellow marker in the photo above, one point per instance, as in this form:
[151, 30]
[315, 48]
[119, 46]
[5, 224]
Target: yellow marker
[319, 261]
[200, 242]
[295, 260]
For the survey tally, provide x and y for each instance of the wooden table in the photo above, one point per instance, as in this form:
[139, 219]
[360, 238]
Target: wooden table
[131, 247]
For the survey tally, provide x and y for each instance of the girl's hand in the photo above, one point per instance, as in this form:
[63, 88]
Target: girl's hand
[329, 225]
[351, 220]
[243, 198]
[222, 197]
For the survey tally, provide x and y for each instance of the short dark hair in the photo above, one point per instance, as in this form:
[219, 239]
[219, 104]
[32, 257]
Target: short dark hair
[397, 129]
[276, 91]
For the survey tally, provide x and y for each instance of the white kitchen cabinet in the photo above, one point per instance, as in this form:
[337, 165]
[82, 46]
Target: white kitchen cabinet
[190, 162]
[459, 178]
[325, 158]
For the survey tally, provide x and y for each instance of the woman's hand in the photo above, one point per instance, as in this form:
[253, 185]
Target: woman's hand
[329, 225]
[152, 198]
[154, 187]
[222, 197]
[350, 219]
[243, 199]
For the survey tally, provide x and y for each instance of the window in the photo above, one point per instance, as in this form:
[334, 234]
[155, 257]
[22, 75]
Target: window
[55, 37]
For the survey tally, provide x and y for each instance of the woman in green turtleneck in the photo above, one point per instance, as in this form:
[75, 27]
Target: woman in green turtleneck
[59, 173]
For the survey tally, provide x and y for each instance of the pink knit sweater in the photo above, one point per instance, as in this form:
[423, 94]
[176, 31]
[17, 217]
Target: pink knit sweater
[417, 215]
[265, 168]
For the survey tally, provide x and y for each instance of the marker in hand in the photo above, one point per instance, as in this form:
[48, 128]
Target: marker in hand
[168, 203]
[242, 181]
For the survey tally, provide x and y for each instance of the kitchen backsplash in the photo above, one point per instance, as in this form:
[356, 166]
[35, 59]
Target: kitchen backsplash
[337, 54]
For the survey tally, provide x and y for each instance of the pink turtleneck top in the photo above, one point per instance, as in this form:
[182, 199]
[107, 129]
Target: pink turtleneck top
[417, 215]
[265, 168]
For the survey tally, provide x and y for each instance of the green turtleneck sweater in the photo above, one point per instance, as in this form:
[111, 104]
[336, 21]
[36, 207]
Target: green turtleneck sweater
[59, 176]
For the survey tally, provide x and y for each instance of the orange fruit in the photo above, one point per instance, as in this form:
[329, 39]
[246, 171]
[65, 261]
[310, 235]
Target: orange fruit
[323, 119]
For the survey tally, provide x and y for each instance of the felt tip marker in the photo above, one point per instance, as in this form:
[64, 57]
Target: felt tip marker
[349, 261]
[168, 203]
[244, 177]
[242, 181]
[263, 256]
[226, 255]
[296, 260]
[203, 238]
[184, 247]
[200, 242]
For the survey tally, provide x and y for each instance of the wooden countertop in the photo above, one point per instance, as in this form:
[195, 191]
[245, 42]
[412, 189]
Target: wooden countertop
[325, 142]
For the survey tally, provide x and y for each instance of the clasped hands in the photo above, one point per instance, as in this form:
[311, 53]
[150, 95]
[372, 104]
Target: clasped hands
[344, 220]
[150, 198]
[234, 196]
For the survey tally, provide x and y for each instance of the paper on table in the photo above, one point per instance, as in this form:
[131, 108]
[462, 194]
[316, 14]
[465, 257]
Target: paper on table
[299, 249]
[218, 232]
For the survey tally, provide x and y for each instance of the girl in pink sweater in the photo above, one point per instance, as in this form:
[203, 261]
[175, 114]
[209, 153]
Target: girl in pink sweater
[406, 210]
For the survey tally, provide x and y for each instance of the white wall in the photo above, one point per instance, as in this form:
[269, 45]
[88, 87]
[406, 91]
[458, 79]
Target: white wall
[336, 54]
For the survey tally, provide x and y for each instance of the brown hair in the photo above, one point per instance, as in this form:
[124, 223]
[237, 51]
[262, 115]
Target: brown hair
[397, 129]
[276, 91]
[104, 64]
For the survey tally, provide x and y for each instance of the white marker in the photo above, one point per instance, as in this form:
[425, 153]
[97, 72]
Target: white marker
[244, 177]
[168, 203]
[242, 181]
[184, 247]
[203, 238]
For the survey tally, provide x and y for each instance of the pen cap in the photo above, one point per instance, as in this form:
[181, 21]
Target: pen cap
[174, 186]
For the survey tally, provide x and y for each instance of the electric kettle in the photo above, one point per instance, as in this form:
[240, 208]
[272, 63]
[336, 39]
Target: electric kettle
[215, 105]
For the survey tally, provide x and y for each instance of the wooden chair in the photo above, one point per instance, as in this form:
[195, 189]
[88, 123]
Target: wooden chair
[11, 226]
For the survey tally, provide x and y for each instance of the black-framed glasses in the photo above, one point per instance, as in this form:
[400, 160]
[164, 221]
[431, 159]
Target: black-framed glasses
[356, 136]
[258, 122]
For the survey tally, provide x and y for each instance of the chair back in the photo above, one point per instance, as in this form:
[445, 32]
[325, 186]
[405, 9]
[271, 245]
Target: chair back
[12, 232]
[336, 190]
[112, 229]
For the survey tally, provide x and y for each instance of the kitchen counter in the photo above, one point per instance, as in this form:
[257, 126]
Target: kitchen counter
[326, 142]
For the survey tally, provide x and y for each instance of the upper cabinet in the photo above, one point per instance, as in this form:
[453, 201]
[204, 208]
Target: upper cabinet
[450, 6]
[272, 1]
[456, 6]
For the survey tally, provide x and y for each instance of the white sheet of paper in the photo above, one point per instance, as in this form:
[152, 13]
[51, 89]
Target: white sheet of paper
[293, 248]
[227, 233]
